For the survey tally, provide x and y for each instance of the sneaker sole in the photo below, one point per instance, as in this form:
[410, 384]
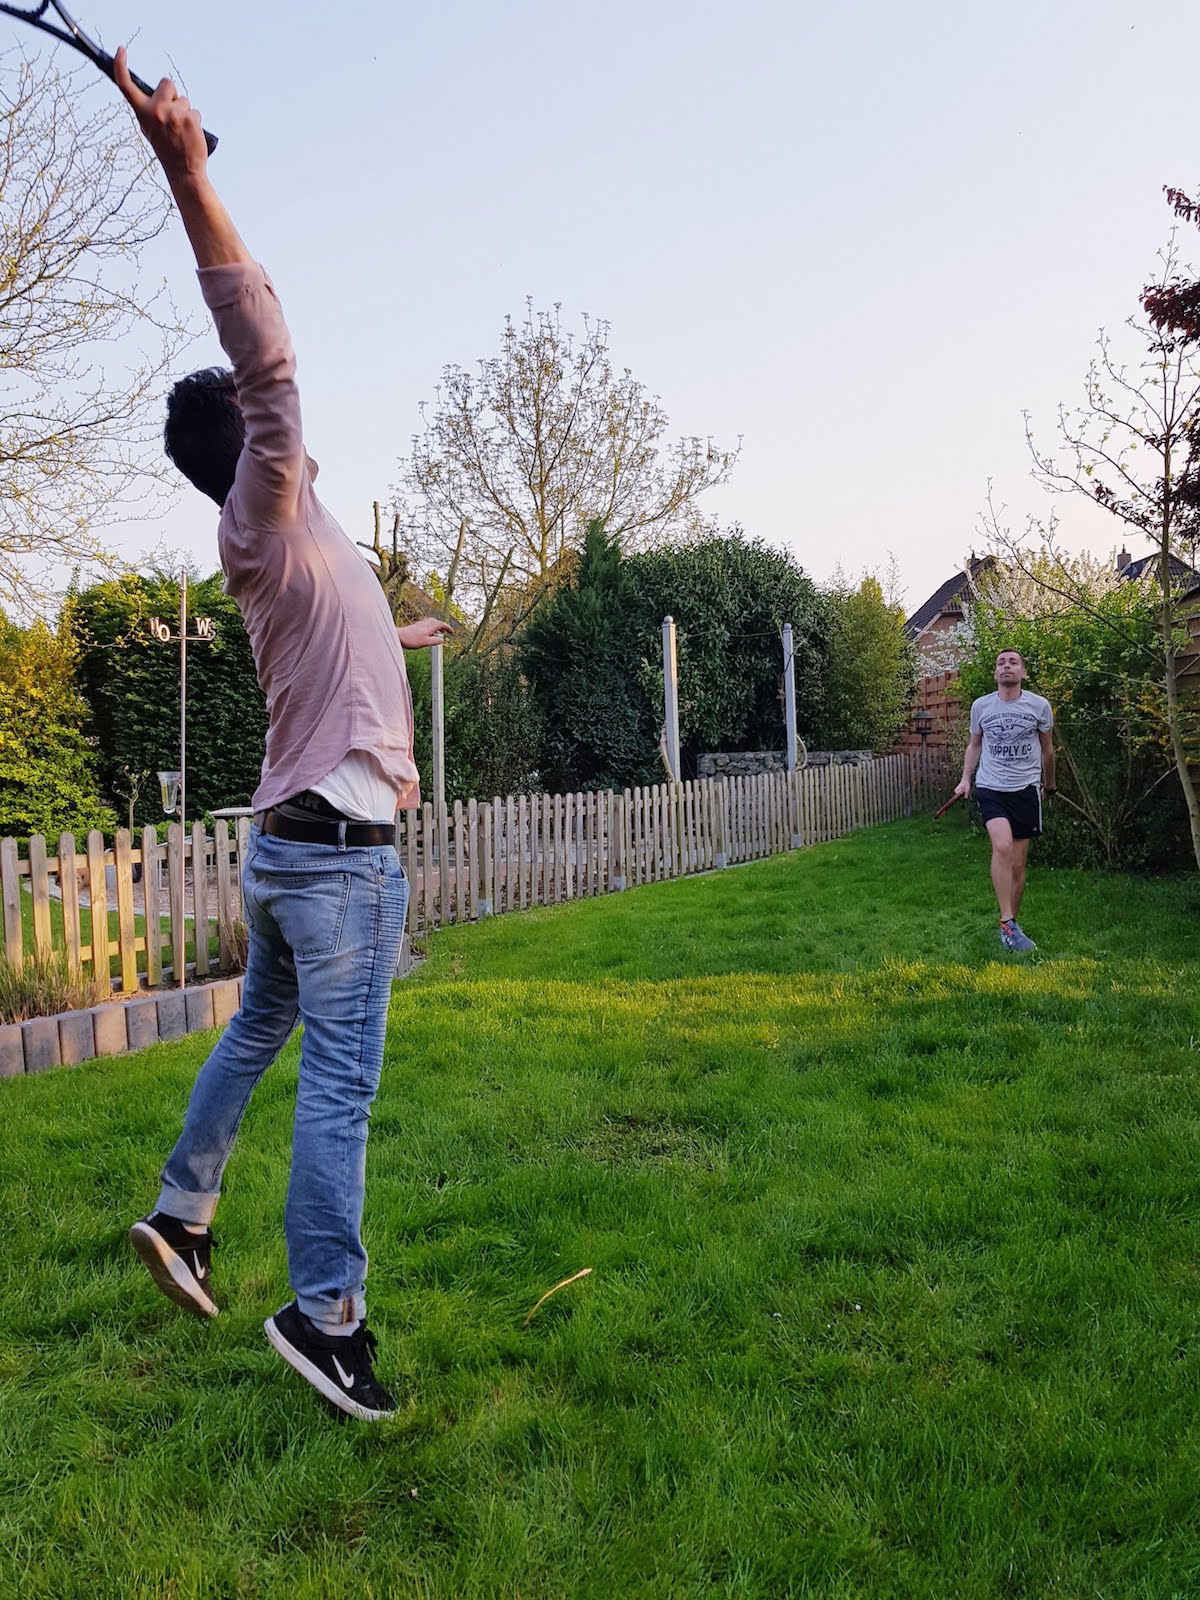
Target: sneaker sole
[170, 1273]
[323, 1385]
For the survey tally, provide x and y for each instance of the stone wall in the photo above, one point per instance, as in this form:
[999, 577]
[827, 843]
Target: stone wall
[749, 763]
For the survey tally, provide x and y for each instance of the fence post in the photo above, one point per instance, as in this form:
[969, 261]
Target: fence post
[439, 734]
[789, 695]
[671, 696]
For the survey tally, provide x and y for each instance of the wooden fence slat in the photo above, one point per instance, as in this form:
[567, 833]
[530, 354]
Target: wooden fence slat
[242, 829]
[224, 895]
[656, 861]
[98, 909]
[200, 898]
[123, 864]
[541, 875]
[152, 902]
[39, 882]
[621, 826]
[412, 824]
[573, 824]
[587, 870]
[175, 866]
[428, 869]
[68, 888]
[466, 819]
[10, 879]
[636, 829]
[510, 877]
[442, 823]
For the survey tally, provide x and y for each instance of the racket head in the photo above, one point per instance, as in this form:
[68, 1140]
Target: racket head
[71, 33]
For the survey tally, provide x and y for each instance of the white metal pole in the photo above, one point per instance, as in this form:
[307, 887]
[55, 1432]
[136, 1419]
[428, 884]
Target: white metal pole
[439, 730]
[671, 696]
[789, 695]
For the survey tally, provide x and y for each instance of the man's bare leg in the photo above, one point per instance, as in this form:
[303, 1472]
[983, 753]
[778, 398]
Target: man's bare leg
[1004, 865]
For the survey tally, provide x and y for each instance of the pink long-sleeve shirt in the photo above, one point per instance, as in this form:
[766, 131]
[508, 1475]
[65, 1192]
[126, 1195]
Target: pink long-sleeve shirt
[325, 645]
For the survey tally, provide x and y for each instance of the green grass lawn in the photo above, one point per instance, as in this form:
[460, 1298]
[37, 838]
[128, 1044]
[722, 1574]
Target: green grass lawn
[895, 1287]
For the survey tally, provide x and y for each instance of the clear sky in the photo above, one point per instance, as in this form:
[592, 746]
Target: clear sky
[864, 237]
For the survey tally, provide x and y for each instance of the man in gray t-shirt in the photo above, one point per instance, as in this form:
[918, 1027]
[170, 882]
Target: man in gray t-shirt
[1012, 744]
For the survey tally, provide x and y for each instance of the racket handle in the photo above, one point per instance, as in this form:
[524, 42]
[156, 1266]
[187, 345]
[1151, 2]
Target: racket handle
[105, 63]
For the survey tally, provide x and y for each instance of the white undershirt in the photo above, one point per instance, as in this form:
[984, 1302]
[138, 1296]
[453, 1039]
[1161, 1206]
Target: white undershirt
[358, 789]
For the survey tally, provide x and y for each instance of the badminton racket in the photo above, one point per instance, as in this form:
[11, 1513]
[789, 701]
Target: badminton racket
[71, 33]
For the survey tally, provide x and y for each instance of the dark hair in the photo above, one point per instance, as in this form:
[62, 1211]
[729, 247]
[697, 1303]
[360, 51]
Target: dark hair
[1010, 650]
[205, 430]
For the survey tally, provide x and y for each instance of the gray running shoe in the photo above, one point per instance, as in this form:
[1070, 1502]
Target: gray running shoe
[1012, 938]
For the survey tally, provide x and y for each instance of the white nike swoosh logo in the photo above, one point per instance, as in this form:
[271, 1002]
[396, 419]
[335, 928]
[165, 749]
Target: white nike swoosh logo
[198, 1269]
[347, 1381]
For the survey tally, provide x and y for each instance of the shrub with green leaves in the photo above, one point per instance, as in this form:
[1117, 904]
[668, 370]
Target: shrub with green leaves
[131, 683]
[584, 652]
[48, 766]
[871, 676]
[593, 655]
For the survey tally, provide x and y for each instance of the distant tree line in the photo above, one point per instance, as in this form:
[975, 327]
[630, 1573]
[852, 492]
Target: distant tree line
[89, 711]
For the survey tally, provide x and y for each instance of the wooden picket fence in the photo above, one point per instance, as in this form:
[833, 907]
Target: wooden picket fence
[483, 858]
[473, 860]
[194, 880]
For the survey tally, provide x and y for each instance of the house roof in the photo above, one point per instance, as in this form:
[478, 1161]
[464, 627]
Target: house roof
[946, 601]
[1181, 573]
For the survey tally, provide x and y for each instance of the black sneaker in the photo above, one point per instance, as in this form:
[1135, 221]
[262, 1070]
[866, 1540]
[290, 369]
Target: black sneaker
[338, 1368]
[179, 1262]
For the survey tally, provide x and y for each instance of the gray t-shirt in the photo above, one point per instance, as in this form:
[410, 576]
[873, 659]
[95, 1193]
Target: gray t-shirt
[1012, 753]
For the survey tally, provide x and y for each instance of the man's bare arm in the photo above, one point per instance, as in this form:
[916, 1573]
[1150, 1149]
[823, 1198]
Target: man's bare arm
[1047, 741]
[970, 761]
[177, 138]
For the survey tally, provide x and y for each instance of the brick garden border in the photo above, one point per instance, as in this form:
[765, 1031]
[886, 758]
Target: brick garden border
[118, 1026]
[110, 1030]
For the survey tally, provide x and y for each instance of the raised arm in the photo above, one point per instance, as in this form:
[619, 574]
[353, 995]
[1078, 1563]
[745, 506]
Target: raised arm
[175, 133]
[272, 468]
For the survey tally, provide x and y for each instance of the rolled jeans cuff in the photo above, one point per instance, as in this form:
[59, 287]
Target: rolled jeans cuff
[186, 1207]
[333, 1313]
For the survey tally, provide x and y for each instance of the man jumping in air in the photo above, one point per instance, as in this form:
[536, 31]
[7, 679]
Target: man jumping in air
[324, 889]
[1012, 744]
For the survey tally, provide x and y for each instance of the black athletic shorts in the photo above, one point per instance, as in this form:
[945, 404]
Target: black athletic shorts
[1022, 807]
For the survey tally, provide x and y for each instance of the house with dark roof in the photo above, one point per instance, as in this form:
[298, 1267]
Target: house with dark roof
[943, 611]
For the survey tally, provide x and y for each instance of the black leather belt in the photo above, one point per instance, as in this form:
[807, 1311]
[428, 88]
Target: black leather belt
[315, 831]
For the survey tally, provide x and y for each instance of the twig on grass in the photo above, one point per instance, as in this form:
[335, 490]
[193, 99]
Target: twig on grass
[574, 1278]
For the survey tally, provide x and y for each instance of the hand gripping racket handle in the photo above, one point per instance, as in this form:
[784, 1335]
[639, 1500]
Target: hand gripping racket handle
[105, 62]
[946, 807]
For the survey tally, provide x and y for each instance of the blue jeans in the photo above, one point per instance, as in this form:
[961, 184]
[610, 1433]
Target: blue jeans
[325, 930]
